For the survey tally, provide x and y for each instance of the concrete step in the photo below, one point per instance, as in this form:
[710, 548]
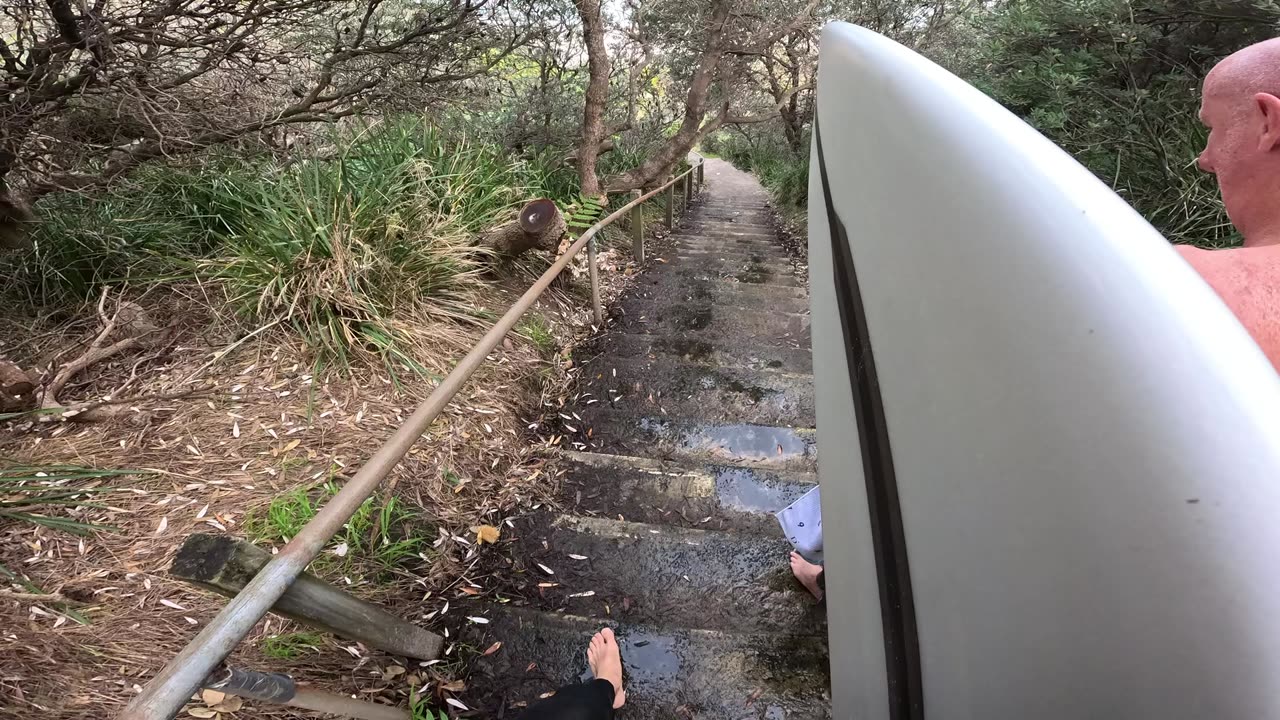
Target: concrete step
[674, 388]
[757, 222]
[712, 496]
[699, 316]
[683, 283]
[716, 351]
[731, 220]
[728, 297]
[752, 275]
[722, 212]
[624, 430]
[668, 674]
[699, 251]
[761, 202]
[774, 267]
[729, 243]
[685, 244]
[713, 226]
[655, 574]
[727, 232]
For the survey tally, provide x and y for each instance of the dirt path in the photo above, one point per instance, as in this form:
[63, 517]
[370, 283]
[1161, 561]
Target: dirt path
[694, 422]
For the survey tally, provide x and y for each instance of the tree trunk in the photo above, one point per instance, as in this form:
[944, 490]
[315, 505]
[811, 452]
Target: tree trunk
[597, 94]
[692, 128]
[539, 225]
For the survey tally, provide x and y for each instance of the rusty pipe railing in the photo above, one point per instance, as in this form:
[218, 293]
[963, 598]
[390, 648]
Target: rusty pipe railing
[165, 694]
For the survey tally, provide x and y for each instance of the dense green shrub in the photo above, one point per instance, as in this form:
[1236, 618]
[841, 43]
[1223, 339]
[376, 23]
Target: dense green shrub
[336, 245]
[1116, 84]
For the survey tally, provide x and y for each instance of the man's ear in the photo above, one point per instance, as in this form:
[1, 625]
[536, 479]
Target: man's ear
[1269, 105]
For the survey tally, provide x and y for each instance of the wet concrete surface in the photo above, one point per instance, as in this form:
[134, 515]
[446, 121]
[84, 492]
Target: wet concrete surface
[658, 574]
[694, 424]
[680, 389]
[694, 317]
[670, 674]
[681, 284]
[722, 351]
[744, 243]
[704, 294]
[727, 231]
[759, 274]
[766, 446]
[709, 497]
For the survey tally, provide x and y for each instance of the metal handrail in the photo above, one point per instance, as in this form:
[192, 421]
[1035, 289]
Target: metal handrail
[181, 677]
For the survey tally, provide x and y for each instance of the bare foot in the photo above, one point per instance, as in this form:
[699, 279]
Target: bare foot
[606, 663]
[807, 573]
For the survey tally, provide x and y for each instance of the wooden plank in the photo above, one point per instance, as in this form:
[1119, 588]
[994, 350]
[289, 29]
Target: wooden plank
[225, 565]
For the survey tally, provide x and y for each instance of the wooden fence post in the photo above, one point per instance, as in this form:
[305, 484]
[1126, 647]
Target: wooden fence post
[702, 177]
[637, 228]
[596, 309]
[688, 191]
[671, 206]
[225, 565]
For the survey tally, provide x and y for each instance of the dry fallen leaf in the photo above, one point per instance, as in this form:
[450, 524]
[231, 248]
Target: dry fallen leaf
[493, 648]
[212, 697]
[201, 712]
[486, 534]
[470, 591]
[546, 569]
[232, 704]
[457, 703]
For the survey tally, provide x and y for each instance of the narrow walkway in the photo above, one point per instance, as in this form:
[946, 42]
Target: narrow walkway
[700, 411]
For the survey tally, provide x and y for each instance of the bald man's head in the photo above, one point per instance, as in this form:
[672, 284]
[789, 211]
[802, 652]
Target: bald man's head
[1241, 108]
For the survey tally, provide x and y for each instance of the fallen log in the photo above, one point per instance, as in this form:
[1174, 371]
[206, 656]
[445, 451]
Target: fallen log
[539, 225]
[17, 389]
[225, 565]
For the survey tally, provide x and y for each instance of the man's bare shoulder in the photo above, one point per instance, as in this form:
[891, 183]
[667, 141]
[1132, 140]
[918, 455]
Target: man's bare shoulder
[1248, 281]
[1236, 265]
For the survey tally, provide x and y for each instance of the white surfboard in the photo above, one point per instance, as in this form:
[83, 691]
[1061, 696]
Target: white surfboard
[1050, 456]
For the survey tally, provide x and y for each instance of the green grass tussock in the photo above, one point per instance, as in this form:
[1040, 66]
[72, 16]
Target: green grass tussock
[56, 496]
[290, 646]
[351, 248]
[383, 534]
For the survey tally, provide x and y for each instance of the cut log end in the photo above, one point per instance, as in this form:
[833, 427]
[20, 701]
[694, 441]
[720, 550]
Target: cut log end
[538, 215]
[538, 225]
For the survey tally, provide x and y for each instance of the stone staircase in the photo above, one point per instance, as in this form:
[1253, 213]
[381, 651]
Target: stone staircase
[699, 403]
